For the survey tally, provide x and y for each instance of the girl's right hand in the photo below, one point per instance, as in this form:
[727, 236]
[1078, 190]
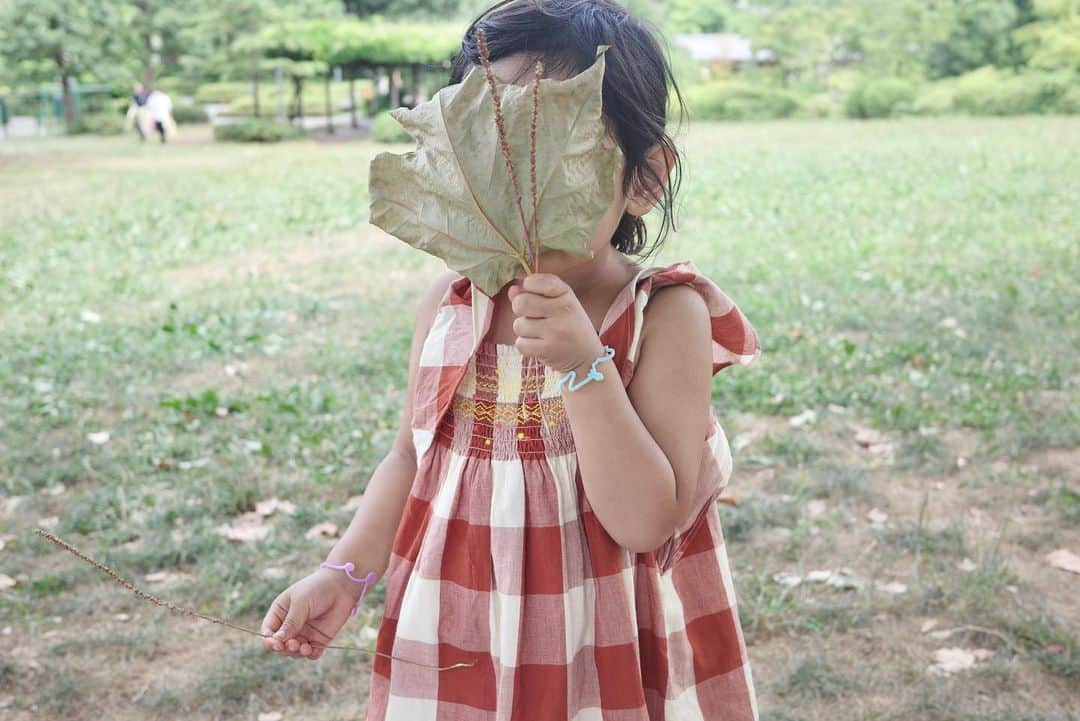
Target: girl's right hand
[308, 614]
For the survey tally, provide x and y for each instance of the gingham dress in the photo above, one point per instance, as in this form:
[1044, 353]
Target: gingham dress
[500, 562]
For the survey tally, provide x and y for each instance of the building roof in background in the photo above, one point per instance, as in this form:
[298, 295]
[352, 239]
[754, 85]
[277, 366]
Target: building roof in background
[721, 47]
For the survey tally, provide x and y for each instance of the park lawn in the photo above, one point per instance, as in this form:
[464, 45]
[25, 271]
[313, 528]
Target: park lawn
[228, 317]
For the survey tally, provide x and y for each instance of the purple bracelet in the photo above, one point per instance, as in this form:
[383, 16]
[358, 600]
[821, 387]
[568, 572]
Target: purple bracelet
[348, 567]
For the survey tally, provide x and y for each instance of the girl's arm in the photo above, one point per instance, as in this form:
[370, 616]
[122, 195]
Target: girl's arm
[639, 449]
[368, 540]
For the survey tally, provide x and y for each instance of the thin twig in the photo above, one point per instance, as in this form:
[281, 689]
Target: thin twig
[535, 232]
[500, 128]
[195, 614]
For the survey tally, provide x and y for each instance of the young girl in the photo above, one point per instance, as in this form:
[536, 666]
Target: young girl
[550, 538]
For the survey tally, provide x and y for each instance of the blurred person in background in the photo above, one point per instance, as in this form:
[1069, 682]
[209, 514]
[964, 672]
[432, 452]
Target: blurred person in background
[159, 108]
[137, 115]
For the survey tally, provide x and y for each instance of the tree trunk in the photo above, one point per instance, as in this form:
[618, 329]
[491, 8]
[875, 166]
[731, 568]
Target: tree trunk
[298, 99]
[395, 88]
[65, 88]
[352, 98]
[69, 102]
[329, 107]
[255, 93]
[148, 44]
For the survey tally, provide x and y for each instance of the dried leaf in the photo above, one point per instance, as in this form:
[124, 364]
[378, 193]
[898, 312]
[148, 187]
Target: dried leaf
[6, 581]
[791, 580]
[265, 508]
[1065, 560]
[877, 517]
[894, 587]
[953, 660]
[452, 196]
[321, 530]
[245, 527]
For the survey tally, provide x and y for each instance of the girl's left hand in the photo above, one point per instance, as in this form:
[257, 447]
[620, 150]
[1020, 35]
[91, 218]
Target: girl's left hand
[552, 325]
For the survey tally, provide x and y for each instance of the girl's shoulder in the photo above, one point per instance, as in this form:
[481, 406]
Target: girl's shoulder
[693, 304]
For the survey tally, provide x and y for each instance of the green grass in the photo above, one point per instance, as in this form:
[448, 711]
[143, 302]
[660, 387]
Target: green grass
[228, 316]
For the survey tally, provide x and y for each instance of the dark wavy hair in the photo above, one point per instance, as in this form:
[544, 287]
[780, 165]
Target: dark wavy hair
[638, 78]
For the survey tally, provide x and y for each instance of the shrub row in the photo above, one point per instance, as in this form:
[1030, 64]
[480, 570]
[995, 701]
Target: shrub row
[740, 101]
[97, 124]
[986, 91]
[384, 129]
[257, 131]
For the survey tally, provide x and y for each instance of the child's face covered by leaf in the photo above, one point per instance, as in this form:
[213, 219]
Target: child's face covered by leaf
[517, 69]
[492, 192]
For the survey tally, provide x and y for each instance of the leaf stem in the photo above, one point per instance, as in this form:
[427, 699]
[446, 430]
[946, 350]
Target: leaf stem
[500, 127]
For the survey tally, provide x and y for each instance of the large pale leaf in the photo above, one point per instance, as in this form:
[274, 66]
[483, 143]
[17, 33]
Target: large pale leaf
[452, 196]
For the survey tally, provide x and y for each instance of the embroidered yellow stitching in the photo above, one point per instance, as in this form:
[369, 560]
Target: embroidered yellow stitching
[554, 412]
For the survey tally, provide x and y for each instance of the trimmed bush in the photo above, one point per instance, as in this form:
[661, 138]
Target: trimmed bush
[97, 124]
[880, 98]
[740, 101]
[387, 130]
[257, 131]
[221, 92]
[987, 91]
[189, 115]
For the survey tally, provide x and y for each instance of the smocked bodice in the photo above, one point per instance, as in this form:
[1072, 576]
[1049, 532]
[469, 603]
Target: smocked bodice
[506, 406]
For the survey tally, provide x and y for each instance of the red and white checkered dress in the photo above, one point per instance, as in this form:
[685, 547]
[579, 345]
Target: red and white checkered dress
[500, 561]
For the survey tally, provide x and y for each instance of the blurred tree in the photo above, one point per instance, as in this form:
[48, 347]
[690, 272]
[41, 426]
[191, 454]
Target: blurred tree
[980, 35]
[364, 8]
[213, 27]
[47, 40]
[1052, 41]
[698, 16]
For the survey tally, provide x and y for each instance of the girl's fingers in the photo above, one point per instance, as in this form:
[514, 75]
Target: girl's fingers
[527, 327]
[546, 284]
[533, 305]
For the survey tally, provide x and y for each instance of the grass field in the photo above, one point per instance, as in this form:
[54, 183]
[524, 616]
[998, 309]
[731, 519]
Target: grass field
[228, 318]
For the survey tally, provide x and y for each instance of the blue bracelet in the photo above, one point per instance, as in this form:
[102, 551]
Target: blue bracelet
[593, 374]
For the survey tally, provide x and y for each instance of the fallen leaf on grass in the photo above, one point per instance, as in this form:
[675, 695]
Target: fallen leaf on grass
[791, 580]
[245, 527]
[98, 439]
[845, 580]
[948, 661]
[322, 530]
[877, 517]
[89, 316]
[807, 417]
[874, 442]
[6, 581]
[867, 437]
[1065, 560]
[894, 587]
[265, 508]
[967, 565]
[167, 578]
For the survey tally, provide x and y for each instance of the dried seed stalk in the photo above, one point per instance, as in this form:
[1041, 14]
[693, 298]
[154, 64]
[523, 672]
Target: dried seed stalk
[535, 234]
[500, 127]
[195, 614]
